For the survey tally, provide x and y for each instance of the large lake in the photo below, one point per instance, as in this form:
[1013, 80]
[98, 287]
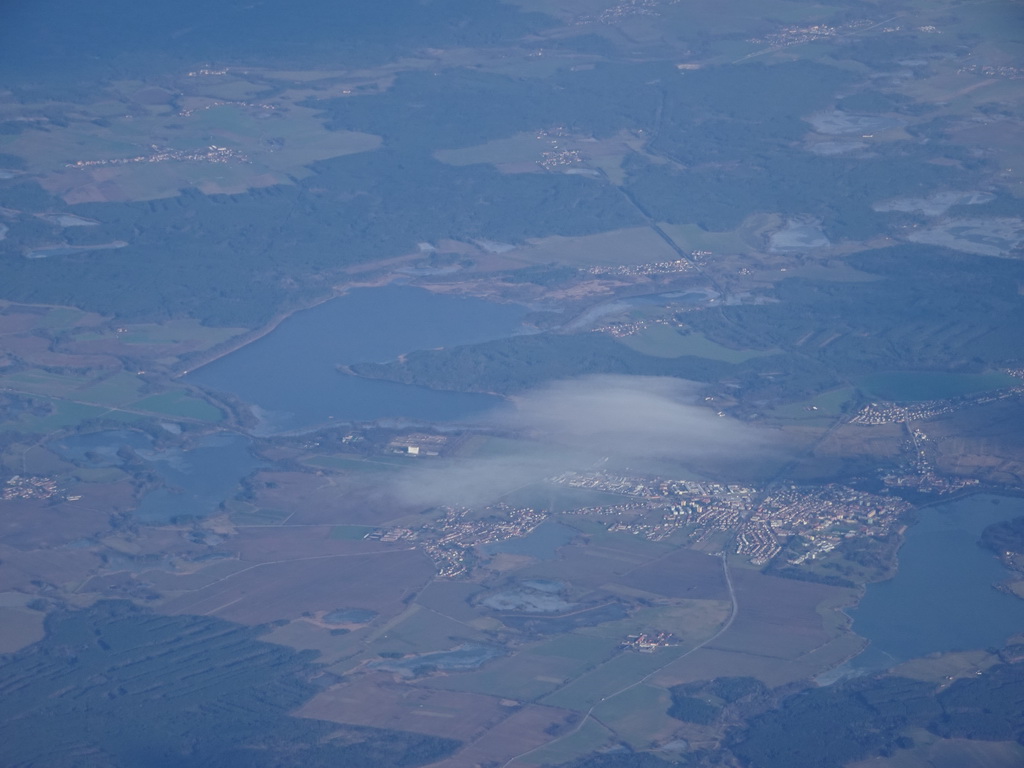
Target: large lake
[942, 597]
[291, 376]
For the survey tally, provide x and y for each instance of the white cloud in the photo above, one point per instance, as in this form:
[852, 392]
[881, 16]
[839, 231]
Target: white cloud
[573, 423]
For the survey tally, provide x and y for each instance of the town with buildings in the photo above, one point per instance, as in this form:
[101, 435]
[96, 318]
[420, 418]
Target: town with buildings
[417, 444]
[759, 524]
[18, 487]
[625, 10]
[450, 540]
[788, 36]
[676, 266]
[1005, 71]
[795, 35]
[560, 158]
[894, 413]
[212, 154]
[649, 642]
[919, 471]
[213, 104]
[821, 516]
[623, 329]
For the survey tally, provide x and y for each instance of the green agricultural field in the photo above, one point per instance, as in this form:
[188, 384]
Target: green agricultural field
[352, 463]
[243, 513]
[100, 475]
[664, 341]
[523, 677]
[589, 737]
[624, 544]
[351, 532]
[521, 148]
[61, 148]
[180, 405]
[59, 318]
[425, 631]
[692, 621]
[273, 139]
[38, 382]
[243, 519]
[825, 407]
[120, 389]
[536, 671]
[492, 447]
[132, 666]
[452, 598]
[638, 715]
[65, 414]
[833, 271]
[177, 332]
[19, 626]
[617, 247]
[338, 650]
[690, 237]
[589, 650]
[610, 678]
[228, 88]
[37, 460]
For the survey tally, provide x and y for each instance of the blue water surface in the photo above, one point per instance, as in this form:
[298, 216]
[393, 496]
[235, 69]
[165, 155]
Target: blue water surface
[942, 598]
[291, 375]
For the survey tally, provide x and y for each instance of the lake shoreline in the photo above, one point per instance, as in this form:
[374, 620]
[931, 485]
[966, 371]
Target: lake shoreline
[300, 374]
[243, 340]
[908, 616]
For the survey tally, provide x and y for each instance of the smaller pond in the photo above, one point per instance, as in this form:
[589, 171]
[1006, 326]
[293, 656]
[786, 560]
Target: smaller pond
[543, 542]
[101, 449]
[798, 236]
[197, 480]
[527, 600]
[556, 624]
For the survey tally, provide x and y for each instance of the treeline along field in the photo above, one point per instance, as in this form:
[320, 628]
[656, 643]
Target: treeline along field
[117, 685]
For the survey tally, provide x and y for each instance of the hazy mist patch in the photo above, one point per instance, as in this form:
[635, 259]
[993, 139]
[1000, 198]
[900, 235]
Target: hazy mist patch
[831, 148]
[933, 205]
[837, 123]
[622, 420]
[630, 418]
[985, 237]
[798, 235]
